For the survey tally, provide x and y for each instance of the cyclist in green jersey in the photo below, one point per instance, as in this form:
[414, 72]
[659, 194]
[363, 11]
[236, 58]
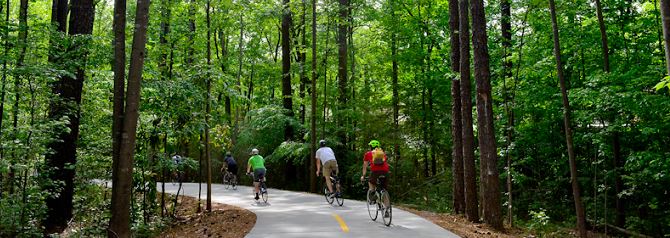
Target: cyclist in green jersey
[257, 164]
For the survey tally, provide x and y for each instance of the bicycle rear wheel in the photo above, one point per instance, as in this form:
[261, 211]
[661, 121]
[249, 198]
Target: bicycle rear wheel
[325, 194]
[385, 206]
[372, 208]
[264, 193]
[226, 181]
[234, 182]
[338, 197]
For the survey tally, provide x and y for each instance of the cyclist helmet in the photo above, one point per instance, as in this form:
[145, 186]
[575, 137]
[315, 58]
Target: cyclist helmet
[322, 143]
[374, 143]
[254, 151]
[228, 153]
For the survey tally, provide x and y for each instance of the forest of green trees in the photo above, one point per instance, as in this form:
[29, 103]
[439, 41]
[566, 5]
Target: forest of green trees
[538, 114]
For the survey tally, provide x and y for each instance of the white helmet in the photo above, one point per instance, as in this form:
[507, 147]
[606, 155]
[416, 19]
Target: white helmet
[254, 151]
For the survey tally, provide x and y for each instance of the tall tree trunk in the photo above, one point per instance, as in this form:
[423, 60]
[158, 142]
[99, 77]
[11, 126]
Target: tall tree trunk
[352, 55]
[342, 30]
[603, 36]
[303, 59]
[619, 164]
[239, 78]
[469, 174]
[506, 28]
[620, 220]
[224, 69]
[68, 90]
[312, 171]
[119, 224]
[286, 65]
[5, 31]
[665, 12]
[579, 207]
[208, 111]
[486, 133]
[166, 14]
[286, 25]
[394, 87]
[18, 77]
[119, 67]
[456, 121]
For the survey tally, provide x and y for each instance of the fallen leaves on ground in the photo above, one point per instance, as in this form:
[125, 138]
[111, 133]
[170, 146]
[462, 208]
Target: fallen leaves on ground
[223, 221]
[462, 227]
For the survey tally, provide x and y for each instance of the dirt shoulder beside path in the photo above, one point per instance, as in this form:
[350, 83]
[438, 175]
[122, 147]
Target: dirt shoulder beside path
[462, 227]
[223, 221]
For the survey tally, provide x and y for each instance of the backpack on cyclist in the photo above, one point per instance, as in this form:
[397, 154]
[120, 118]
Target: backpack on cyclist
[378, 156]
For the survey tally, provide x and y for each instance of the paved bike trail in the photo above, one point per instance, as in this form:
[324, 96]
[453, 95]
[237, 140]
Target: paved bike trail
[297, 214]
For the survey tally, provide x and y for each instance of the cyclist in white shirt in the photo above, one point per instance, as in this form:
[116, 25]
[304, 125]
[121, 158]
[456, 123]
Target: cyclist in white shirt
[326, 157]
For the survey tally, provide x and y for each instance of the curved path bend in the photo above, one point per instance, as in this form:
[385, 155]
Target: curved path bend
[298, 214]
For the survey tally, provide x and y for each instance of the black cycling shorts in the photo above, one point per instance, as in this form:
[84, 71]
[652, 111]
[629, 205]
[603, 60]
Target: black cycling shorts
[259, 174]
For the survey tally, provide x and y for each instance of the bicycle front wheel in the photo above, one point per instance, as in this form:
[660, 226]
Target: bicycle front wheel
[372, 207]
[387, 213]
[234, 182]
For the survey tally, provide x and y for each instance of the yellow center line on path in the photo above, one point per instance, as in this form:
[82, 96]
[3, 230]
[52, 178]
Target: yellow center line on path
[343, 225]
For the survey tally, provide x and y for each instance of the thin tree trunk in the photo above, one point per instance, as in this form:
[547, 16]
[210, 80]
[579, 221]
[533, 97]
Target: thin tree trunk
[4, 83]
[119, 224]
[166, 14]
[312, 171]
[603, 36]
[658, 21]
[303, 59]
[119, 196]
[665, 12]
[342, 30]
[506, 27]
[620, 220]
[287, 100]
[456, 121]
[207, 112]
[239, 76]
[619, 164]
[486, 132]
[469, 174]
[396, 93]
[579, 207]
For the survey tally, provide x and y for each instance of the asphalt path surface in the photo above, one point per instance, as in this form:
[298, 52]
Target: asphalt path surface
[298, 214]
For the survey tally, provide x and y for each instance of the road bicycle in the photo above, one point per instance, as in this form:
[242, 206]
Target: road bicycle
[263, 189]
[380, 203]
[230, 180]
[335, 181]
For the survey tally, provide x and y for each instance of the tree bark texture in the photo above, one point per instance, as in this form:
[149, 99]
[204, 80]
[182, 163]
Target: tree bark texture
[287, 97]
[312, 171]
[67, 104]
[343, 97]
[506, 28]
[603, 36]
[469, 174]
[579, 207]
[119, 224]
[119, 67]
[208, 86]
[456, 120]
[5, 31]
[665, 13]
[486, 133]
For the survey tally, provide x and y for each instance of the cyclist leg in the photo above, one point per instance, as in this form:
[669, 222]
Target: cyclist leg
[258, 173]
[328, 168]
[233, 170]
[372, 182]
